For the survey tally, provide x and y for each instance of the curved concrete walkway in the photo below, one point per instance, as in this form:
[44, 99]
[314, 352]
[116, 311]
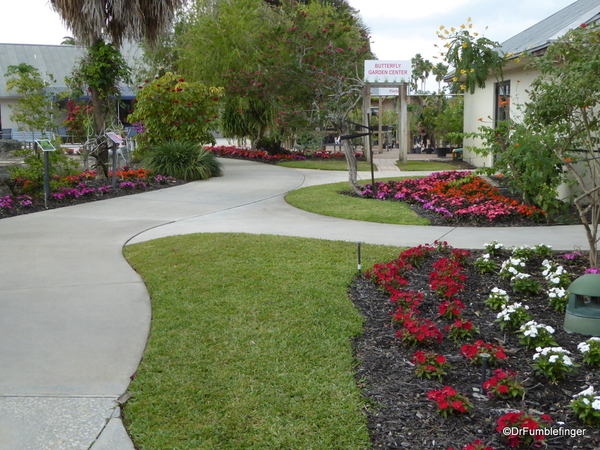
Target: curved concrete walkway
[74, 316]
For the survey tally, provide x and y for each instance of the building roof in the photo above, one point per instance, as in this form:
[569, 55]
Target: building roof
[56, 60]
[543, 33]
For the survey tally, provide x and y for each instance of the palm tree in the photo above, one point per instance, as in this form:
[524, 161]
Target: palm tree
[440, 71]
[92, 20]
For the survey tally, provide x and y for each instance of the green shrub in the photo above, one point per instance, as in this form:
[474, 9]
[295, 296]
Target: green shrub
[182, 160]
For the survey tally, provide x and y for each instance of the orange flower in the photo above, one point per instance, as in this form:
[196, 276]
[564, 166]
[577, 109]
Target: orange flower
[480, 119]
[499, 175]
[568, 160]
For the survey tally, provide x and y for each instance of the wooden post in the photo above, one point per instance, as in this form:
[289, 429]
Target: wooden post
[366, 111]
[380, 125]
[403, 125]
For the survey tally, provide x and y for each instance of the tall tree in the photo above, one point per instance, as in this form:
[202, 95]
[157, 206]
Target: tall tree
[565, 103]
[35, 109]
[136, 20]
[285, 68]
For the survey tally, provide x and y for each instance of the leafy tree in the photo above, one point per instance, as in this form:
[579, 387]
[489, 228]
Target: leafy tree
[565, 103]
[35, 109]
[100, 72]
[284, 68]
[171, 108]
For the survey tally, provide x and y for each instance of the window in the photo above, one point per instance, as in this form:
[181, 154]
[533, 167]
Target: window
[502, 102]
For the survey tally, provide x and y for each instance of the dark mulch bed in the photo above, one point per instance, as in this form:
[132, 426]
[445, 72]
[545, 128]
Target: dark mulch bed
[401, 416]
[40, 205]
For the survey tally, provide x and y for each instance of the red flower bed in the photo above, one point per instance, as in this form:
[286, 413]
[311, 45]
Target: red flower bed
[456, 196]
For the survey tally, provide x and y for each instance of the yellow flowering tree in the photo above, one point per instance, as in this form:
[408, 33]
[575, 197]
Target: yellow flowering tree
[472, 56]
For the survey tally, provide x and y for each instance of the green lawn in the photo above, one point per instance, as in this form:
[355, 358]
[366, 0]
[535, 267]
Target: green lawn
[325, 165]
[425, 165]
[326, 200]
[250, 346]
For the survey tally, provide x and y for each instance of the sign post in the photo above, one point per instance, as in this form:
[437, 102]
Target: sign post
[388, 75]
[116, 140]
[46, 147]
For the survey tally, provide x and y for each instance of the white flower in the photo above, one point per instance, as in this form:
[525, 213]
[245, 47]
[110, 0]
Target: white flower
[586, 401]
[588, 391]
[583, 347]
[552, 358]
[596, 404]
[555, 280]
[566, 360]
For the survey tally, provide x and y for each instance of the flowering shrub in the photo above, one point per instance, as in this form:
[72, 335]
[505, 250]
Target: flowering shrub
[446, 278]
[263, 156]
[9, 202]
[553, 362]
[592, 270]
[497, 299]
[419, 331]
[511, 267]
[513, 316]
[586, 405]
[485, 264]
[430, 365]
[504, 385]
[415, 256]
[558, 298]
[473, 352]
[460, 329]
[524, 252]
[572, 257]
[524, 284]
[449, 401]
[556, 275]
[517, 421]
[543, 250]
[591, 351]
[494, 248]
[535, 335]
[451, 309]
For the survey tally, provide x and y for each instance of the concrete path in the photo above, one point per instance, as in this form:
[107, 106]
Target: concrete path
[74, 316]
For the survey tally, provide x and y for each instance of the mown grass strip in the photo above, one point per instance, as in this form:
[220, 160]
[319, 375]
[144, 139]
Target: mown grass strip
[433, 166]
[325, 165]
[250, 346]
[326, 200]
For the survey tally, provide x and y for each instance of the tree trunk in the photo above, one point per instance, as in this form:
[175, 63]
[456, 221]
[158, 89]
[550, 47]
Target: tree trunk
[351, 160]
[100, 129]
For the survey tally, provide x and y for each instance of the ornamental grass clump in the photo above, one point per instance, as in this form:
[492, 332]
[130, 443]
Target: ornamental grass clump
[553, 362]
[513, 316]
[450, 402]
[182, 160]
[533, 335]
[430, 365]
[504, 385]
[591, 351]
[586, 406]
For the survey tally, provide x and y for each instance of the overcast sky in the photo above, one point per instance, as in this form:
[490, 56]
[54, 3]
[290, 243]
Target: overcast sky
[399, 28]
